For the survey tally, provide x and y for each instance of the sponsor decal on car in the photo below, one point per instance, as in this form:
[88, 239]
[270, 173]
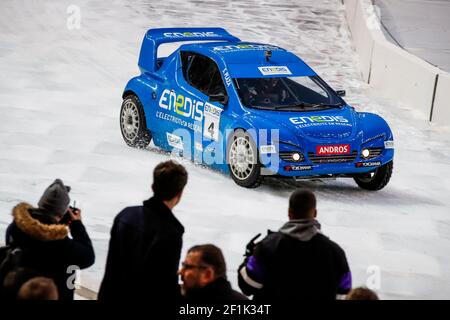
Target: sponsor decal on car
[389, 144]
[190, 34]
[212, 121]
[381, 135]
[210, 149]
[226, 76]
[297, 168]
[198, 146]
[275, 70]
[368, 164]
[181, 122]
[174, 140]
[268, 149]
[333, 149]
[181, 105]
[318, 119]
[239, 47]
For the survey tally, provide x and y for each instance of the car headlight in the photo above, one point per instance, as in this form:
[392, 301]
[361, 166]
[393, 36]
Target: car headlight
[292, 156]
[365, 153]
[296, 156]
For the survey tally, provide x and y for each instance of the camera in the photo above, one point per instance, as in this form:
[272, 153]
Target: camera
[67, 218]
[251, 246]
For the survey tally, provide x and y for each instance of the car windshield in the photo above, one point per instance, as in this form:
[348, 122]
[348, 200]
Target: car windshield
[287, 93]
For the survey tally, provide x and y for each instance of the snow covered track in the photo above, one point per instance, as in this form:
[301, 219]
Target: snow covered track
[60, 95]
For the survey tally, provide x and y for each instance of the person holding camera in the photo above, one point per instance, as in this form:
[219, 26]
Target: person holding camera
[298, 262]
[44, 240]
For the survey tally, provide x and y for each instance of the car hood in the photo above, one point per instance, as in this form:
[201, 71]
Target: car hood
[324, 124]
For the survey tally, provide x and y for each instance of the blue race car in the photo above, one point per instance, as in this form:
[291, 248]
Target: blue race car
[251, 110]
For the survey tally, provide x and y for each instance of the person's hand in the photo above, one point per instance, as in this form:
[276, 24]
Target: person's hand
[75, 214]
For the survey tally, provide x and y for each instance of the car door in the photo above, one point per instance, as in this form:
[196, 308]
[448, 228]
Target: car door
[201, 81]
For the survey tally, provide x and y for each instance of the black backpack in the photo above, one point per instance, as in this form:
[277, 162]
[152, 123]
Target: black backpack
[10, 259]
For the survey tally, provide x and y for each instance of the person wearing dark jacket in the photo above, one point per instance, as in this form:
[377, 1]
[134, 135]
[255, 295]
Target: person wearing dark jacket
[14, 279]
[203, 273]
[45, 243]
[298, 261]
[145, 245]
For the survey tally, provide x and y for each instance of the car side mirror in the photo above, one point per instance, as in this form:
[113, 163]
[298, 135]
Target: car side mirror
[219, 97]
[340, 93]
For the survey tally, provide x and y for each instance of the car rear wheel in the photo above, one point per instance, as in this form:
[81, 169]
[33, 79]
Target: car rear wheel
[132, 123]
[242, 159]
[375, 180]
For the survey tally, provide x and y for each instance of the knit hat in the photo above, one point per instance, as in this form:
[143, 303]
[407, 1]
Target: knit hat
[55, 200]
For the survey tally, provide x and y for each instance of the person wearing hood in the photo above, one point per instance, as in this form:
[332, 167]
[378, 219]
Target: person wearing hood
[44, 239]
[298, 261]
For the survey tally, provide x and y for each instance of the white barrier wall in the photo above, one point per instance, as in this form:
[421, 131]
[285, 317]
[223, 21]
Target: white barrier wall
[441, 109]
[362, 40]
[402, 76]
[396, 73]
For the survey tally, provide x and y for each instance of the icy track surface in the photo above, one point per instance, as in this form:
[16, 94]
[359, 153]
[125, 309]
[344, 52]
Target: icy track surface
[60, 94]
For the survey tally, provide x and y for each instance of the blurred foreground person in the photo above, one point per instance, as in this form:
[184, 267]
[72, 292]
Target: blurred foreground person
[38, 288]
[296, 262]
[203, 273]
[145, 245]
[362, 293]
[14, 280]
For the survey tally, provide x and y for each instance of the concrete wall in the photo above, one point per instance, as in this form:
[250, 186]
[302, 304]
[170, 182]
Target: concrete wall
[403, 77]
[441, 109]
[394, 72]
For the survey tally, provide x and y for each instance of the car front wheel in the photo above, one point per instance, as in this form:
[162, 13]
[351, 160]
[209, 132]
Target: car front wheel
[242, 158]
[132, 123]
[375, 180]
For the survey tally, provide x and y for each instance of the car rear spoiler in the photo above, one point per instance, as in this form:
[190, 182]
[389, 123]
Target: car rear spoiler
[155, 37]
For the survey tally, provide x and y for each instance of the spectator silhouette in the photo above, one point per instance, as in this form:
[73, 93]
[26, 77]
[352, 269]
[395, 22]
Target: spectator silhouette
[14, 280]
[38, 288]
[45, 242]
[298, 261]
[145, 245]
[203, 273]
[362, 293]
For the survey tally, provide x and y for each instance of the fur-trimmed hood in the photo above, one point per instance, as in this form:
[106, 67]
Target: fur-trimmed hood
[36, 229]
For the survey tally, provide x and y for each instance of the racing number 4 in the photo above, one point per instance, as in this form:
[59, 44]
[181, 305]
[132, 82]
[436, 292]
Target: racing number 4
[211, 129]
[211, 125]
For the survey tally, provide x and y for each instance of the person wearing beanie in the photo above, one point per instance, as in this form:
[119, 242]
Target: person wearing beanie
[55, 200]
[44, 239]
